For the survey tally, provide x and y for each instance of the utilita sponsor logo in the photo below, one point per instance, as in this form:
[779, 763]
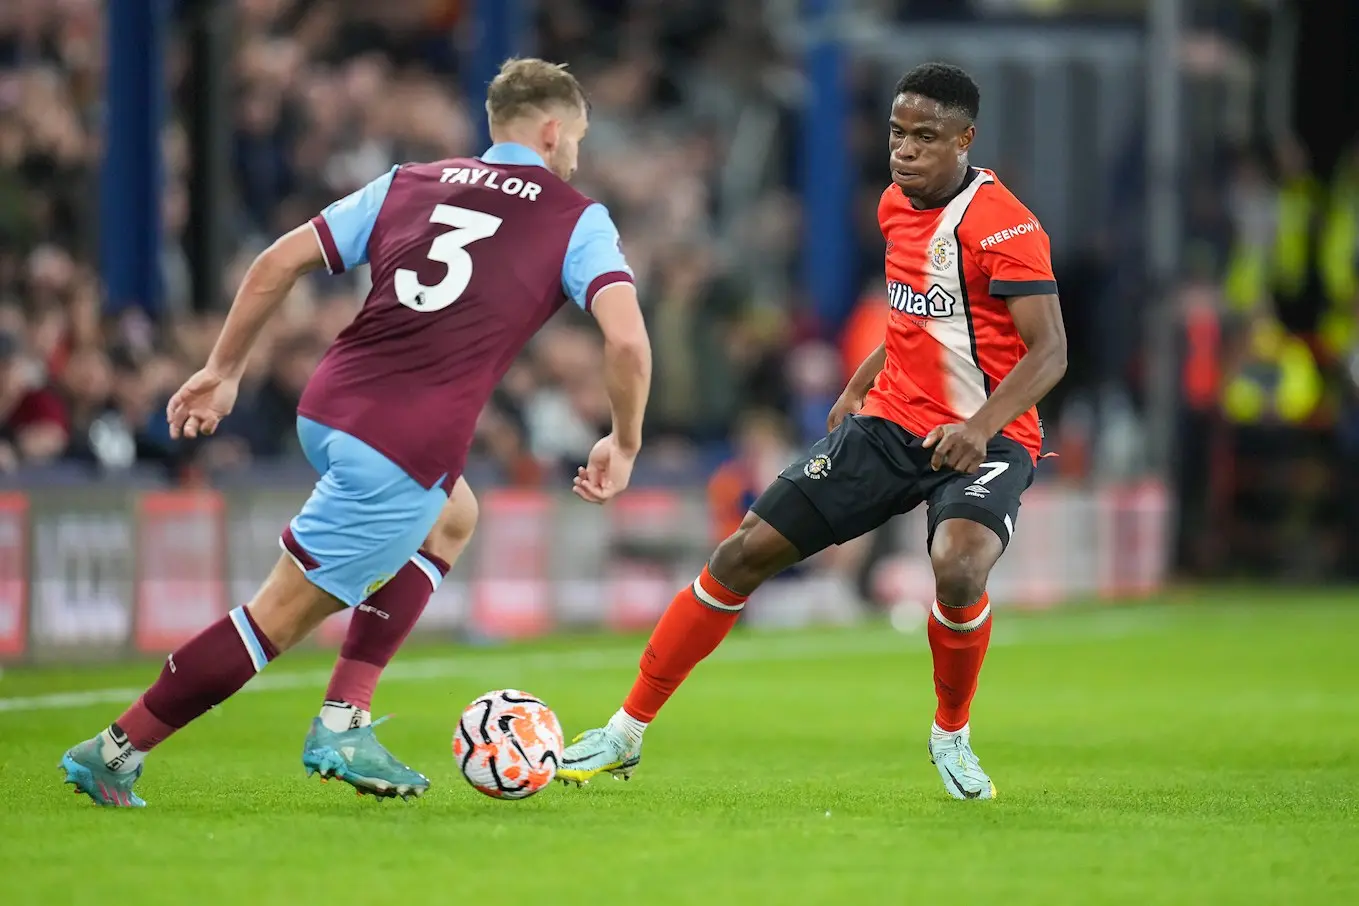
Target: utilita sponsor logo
[936, 303]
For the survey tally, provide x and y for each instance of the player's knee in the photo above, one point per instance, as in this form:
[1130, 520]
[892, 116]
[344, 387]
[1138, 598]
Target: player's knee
[958, 583]
[457, 522]
[288, 606]
[962, 563]
[750, 555]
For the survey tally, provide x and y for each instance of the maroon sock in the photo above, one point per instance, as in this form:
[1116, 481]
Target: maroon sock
[205, 671]
[379, 626]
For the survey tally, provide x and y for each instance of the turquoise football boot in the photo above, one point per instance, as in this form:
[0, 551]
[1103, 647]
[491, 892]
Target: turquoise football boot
[356, 757]
[596, 752]
[960, 767]
[85, 769]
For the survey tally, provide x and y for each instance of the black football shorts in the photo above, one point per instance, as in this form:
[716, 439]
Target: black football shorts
[870, 469]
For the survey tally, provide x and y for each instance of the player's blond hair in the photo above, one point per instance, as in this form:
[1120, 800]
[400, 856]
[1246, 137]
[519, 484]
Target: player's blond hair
[527, 85]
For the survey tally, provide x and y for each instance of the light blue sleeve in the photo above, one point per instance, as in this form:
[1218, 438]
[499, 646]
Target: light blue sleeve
[350, 221]
[594, 257]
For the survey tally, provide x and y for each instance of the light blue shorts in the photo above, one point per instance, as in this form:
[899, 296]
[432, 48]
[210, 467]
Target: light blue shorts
[364, 520]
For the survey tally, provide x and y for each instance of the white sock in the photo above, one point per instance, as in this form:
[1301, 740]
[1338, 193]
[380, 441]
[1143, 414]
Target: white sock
[117, 752]
[936, 732]
[337, 717]
[628, 725]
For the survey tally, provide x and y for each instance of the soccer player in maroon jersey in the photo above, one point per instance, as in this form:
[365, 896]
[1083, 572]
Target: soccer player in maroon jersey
[942, 413]
[468, 257]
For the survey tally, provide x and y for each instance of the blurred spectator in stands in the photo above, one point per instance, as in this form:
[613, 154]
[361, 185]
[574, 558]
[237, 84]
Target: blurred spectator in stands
[263, 171]
[267, 418]
[757, 349]
[33, 420]
[117, 405]
[865, 330]
[763, 447]
[502, 434]
[568, 409]
[692, 307]
[95, 436]
[141, 387]
[815, 379]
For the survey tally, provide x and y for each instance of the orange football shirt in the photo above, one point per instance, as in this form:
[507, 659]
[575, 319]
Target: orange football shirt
[950, 337]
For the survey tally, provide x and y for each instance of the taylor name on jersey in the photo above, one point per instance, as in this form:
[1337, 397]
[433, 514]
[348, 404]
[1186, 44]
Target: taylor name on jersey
[487, 178]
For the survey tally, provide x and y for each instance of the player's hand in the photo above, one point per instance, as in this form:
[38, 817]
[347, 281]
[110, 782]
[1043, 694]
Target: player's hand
[606, 474]
[197, 407]
[961, 447]
[848, 404]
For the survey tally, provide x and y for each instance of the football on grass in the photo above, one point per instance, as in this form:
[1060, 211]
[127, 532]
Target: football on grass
[508, 744]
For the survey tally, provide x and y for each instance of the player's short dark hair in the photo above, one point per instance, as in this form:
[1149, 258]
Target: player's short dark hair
[527, 84]
[948, 85]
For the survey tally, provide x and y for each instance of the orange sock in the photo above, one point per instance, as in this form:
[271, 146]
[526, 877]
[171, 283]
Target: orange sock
[958, 640]
[692, 626]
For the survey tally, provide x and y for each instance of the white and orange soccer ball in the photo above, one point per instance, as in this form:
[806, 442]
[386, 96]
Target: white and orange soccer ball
[508, 744]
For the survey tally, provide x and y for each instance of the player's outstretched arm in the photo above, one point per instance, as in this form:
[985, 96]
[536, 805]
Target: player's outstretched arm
[209, 395]
[627, 361]
[852, 399]
[270, 278]
[627, 375]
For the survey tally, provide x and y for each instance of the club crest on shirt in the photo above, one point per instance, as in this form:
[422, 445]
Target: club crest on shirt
[817, 467]
[941, 253]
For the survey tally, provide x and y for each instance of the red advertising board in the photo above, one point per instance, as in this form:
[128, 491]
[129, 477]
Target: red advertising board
[13, 575]
[511, 595]
[181, 586]
[640, 588]
[1133, 527]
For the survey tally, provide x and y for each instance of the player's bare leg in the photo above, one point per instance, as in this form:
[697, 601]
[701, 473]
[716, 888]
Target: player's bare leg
[694, 624]
[962, 554]
[341, 742]
[200, 674]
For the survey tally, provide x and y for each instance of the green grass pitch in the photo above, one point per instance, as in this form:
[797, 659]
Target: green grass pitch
[1200, 750]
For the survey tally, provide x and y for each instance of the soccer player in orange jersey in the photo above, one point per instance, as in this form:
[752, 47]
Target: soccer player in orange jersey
[942, 413]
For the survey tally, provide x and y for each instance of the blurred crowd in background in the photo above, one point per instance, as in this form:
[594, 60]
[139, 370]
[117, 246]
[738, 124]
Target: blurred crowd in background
[331, 94]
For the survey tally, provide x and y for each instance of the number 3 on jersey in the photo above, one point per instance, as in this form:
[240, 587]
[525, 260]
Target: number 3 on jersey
[449, 249]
